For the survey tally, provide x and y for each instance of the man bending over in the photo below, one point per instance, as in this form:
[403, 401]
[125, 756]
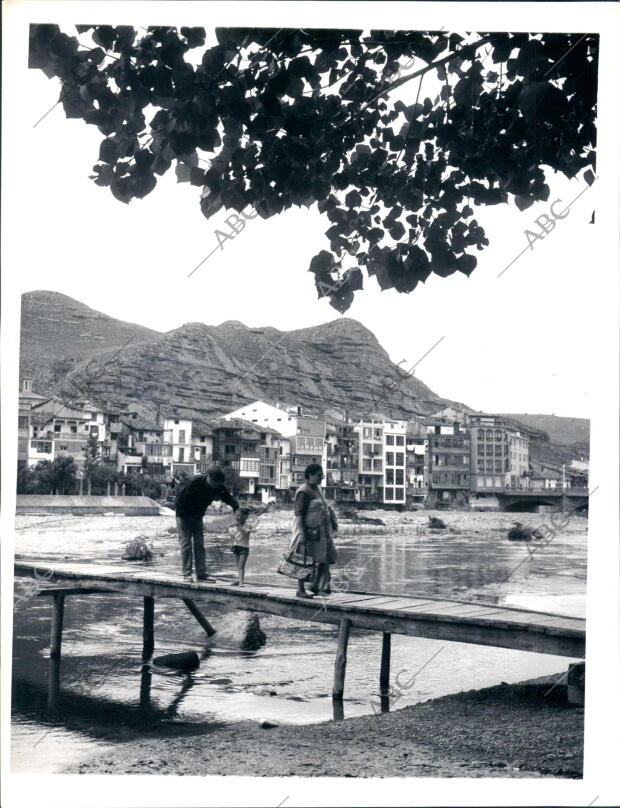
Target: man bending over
[190, 505]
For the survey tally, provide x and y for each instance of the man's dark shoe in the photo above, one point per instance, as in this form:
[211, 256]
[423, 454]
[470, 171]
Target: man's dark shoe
[205, 578]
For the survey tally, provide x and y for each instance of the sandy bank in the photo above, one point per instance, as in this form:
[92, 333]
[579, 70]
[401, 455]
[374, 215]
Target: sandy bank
[523, 730]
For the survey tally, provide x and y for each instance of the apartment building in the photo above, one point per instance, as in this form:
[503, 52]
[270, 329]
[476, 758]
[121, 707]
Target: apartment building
[274, 479]
[394, 461]
[202, 446]
[382, 461]
[342, 459]
[307, 446]
[416, 446]
[519, 447]
[141, 447]
[490, 453]
[305, 430]
[56, 429]
[448, 461]
[178, 434]
[236, 443]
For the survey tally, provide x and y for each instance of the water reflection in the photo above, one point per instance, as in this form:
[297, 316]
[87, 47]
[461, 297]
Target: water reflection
[104, 685]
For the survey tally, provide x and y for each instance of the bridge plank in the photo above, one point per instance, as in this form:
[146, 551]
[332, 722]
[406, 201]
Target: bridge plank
[433, 607]
[449, 620]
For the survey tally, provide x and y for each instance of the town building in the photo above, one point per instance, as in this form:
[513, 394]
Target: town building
[381, 461]
[202, 446]
[56, 429]
[416, 445]
[490, 453]
[141, 448]
[305, 430]
[274, 466]
[236, 443]
[448, 462]
[178, 435]
[342, 459]
[519, 458]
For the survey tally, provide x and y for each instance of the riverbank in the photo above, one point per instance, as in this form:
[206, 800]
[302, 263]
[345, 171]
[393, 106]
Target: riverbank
[519, 730]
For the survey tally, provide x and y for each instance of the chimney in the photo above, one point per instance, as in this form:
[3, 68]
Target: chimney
[26, 386]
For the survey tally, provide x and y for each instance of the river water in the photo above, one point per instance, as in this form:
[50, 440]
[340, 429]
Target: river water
[107, 696]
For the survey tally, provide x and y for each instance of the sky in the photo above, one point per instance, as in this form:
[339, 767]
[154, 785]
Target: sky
[508, 341]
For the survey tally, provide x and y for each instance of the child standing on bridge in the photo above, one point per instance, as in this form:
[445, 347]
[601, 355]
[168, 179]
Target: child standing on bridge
[240, 526]
[240, 533]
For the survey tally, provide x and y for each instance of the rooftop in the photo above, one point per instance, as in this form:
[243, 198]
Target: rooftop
[141, 423]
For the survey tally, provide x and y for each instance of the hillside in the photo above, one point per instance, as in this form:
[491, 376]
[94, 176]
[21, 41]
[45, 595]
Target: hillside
[559, 429]
[57, 332]
[207, 370]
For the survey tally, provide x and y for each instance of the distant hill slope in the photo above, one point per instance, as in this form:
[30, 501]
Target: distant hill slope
[57, 332]
[208, 370]
[560, 429]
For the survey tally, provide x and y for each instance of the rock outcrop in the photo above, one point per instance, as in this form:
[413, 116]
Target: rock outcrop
[204, 370]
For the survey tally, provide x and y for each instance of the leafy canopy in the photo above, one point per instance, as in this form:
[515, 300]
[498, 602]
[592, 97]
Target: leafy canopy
[275, 118]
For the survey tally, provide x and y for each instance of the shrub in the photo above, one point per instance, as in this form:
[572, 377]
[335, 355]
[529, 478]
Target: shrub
[520, 531]
[139, 549]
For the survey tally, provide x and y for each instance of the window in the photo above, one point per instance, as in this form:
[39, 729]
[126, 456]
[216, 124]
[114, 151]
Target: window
[73, 429]
[400, 440]
[181, 436]
[176, 422]
[366, 432]
[57, 427]
[400, 458]
[389, 458]
[400, 477]
[389, 476]
[389, 439]
[389, 493]
[378, 434]
[481, 465]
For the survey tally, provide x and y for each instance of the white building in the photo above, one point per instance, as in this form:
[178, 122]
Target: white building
[382, 461]
[305, 432]
[178, 435]
[263, 414]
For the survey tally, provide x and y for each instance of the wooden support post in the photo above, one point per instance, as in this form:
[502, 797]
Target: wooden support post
[148, 629]
[145, 687]
[341, 659]
[199, 616]
[58, 609]
[384, 676]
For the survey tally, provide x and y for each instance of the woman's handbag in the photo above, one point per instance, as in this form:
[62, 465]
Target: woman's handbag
[295, 564]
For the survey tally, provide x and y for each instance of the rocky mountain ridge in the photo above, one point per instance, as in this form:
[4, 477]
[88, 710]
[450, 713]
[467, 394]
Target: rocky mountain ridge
[205, 370]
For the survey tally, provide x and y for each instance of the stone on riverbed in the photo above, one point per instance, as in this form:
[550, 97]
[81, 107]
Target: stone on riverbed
[240, 630]
[187, 660]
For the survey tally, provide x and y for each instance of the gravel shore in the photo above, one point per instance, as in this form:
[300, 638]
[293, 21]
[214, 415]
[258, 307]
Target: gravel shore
[522, 730]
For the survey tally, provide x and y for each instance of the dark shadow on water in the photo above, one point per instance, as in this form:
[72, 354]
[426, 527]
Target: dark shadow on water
[106, 719]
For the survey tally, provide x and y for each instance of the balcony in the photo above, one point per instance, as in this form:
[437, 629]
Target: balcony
[126, 459]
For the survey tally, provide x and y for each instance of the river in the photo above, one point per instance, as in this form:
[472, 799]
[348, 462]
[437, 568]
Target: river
[289, 679]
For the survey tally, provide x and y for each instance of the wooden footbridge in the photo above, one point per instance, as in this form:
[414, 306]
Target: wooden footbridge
[432, 618]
